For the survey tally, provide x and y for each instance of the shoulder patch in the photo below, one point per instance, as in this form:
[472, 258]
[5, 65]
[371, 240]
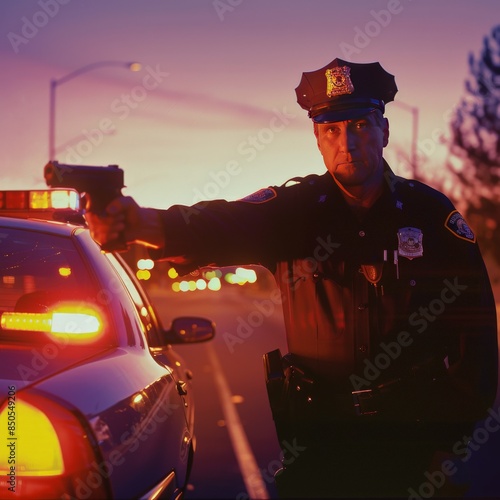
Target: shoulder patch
[457, 225]
[260, 196]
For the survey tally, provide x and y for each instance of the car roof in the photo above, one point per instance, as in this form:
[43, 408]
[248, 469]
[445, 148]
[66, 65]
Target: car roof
[46, 226]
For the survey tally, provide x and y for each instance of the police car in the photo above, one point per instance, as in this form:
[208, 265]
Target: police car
[94, 401]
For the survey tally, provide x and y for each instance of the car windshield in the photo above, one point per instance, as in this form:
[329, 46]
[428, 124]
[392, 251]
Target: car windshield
[45, 288]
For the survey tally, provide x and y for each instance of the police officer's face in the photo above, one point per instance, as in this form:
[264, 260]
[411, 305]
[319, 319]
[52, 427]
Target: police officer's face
[352, 149]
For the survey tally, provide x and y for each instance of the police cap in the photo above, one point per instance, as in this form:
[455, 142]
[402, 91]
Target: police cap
[344, 90]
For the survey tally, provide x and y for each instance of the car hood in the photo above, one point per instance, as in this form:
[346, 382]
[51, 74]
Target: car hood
[22, 366]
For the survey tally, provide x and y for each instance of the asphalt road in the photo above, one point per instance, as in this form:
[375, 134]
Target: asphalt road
[237, 451]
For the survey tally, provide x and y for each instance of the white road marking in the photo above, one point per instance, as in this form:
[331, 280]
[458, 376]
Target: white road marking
[252, 476]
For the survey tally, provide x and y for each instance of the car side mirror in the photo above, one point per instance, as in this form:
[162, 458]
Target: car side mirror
[189, 330]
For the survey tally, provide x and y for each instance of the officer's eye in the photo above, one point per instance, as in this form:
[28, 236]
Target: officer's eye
[332, 130]
[361, 124]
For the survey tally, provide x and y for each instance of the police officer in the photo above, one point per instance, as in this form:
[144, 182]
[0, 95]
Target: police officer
[389, 313]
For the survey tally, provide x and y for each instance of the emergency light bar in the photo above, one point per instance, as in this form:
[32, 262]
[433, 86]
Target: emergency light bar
[40, 203]
[77, 322]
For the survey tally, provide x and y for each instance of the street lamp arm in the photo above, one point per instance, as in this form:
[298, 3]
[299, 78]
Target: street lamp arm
[133, 66]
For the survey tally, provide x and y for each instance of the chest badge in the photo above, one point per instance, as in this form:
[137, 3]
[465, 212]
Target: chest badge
[410, 242]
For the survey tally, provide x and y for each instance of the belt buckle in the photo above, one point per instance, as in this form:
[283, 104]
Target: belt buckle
[364, 402]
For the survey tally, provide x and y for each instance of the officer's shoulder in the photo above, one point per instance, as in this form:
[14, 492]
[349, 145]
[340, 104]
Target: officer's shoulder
[423, 194]
[432, 201]
[289, 190]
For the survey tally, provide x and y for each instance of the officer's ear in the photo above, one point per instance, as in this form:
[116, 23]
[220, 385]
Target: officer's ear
[385, 130]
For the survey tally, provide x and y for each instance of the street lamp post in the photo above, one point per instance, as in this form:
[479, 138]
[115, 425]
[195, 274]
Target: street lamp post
[54, 83]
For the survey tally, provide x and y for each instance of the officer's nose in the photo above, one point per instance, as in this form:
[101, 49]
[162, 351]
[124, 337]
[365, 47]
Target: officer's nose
[347, 141]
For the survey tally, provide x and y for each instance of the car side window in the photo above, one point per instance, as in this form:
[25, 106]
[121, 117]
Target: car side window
[144, 309]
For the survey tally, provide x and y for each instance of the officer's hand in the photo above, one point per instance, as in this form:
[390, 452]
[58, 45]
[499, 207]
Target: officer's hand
[125, 217]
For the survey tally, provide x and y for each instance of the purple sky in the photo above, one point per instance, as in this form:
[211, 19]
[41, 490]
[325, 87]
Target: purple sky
[212, 113]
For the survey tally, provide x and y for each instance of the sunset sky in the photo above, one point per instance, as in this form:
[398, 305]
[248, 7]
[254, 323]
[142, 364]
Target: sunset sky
[212, 113]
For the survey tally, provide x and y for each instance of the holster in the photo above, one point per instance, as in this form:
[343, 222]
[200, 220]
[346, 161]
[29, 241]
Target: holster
[275, 385]
[295, 394]
[296, 400]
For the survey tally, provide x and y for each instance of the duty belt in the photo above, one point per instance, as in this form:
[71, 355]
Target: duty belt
[360, 403]
[293, 390]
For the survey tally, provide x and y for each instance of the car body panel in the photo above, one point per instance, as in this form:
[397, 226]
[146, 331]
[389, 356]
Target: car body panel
[28, 364]
[135, 412]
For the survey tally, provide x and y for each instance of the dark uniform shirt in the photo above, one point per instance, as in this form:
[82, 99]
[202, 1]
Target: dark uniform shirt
[395, 293]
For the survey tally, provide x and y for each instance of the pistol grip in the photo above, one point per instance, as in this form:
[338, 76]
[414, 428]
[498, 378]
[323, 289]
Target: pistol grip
[97, 202]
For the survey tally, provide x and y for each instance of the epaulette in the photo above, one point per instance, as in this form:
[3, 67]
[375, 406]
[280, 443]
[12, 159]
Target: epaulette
[311, 179]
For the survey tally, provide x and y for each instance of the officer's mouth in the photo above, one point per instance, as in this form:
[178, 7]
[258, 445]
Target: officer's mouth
[350, 165]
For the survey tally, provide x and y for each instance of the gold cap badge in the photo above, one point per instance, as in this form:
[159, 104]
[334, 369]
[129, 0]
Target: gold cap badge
[338, 81]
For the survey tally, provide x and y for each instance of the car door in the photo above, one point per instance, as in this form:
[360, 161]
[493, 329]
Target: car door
[166, 400]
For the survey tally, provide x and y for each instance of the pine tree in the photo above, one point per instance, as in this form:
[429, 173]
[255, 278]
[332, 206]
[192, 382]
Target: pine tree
[475, 148]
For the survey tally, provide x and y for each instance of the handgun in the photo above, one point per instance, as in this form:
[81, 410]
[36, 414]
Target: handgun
[100, 185]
